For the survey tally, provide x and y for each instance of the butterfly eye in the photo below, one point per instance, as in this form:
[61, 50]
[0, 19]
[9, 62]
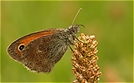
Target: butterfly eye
[21, 47]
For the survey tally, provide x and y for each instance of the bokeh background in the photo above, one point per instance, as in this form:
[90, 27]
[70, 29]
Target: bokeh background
[110, 21]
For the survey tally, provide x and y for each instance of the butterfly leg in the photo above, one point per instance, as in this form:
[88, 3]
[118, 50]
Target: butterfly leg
[70, 48]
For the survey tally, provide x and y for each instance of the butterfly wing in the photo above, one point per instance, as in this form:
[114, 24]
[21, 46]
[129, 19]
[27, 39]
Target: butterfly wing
[41, 53]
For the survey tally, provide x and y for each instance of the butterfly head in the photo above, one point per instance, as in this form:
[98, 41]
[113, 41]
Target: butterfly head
[74, 29]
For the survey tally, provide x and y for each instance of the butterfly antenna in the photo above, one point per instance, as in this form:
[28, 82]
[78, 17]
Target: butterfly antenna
[76, 15]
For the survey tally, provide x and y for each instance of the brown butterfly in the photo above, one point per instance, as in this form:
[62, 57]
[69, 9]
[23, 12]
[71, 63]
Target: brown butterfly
[40, 51]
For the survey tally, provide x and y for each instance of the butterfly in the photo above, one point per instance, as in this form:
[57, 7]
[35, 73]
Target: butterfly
[40, 51]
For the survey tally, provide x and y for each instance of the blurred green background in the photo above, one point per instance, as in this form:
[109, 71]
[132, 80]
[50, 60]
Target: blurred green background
[111, 22]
